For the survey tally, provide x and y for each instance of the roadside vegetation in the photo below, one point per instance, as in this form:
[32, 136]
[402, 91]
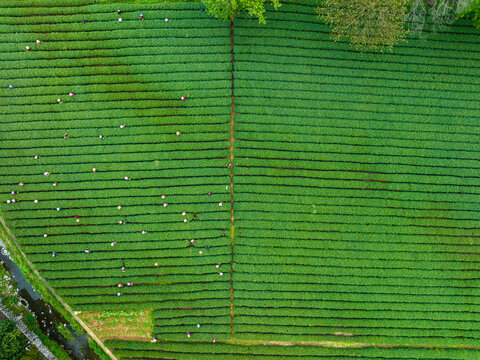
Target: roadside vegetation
[11, 299]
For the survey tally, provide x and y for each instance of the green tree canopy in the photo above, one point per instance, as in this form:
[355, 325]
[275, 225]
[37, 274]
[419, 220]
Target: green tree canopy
[227, 9]
[472, 11]
[437, 14]
[12, 341]
[369, 24]
[31, 354]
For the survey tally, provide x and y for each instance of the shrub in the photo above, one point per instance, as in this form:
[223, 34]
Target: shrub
[12, 341]
[227, 9]
[439, 13]
[369, 24]
[32, 354]
[471, 11]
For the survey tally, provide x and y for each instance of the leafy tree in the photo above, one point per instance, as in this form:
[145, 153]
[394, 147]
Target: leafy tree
[30, 320]
[6, 326]
[472, 11]
[12, 341]
[227, 9]
[437, 13]
[32, 354]
[369, 24]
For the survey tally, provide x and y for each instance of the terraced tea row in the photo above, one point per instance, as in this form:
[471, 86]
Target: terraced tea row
[118, 190]
[194, 351]
[355, 179]
[356, 186]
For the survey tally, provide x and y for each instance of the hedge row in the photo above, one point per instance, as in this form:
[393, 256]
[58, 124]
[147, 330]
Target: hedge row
[204, 350]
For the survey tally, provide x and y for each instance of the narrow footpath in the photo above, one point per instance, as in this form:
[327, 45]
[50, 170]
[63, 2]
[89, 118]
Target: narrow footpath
[232, 216]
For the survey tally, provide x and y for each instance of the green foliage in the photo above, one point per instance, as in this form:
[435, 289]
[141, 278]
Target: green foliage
[369, 24]
[227, 9]
[64, 331]
[9, 300]
[56, 349]
[434, 16]
[30, 320]
[472, 11]
[31, 354]
[129, 314]
[12, 341]
[6, 326]
[99, 351]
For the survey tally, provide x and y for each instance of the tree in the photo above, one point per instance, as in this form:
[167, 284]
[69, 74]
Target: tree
[369, 24]
[32, 354]
[438, 14]
[471, 11]
[227, 9]
[6, 326]
[12, 341]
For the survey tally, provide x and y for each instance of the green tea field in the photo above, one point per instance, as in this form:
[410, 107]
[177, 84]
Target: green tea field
[254, 191]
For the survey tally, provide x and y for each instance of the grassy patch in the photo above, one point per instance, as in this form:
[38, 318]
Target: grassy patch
[124, 324]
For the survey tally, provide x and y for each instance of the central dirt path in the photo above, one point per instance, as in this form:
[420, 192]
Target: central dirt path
[232, 217]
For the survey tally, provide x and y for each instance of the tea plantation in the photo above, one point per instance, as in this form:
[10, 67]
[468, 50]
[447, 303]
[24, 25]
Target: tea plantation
[262, 191]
